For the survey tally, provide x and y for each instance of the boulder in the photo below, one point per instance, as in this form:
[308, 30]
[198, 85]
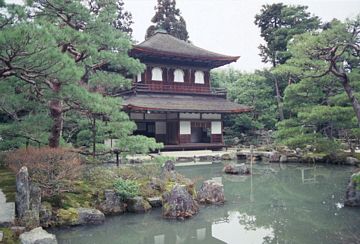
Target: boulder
[211, 192]
[352, 197]
[112, 204]
[80, 216]
[352, 161]
[226, 156]
[168, 171]
[283, 158]
[22, 197]
[179, 203]
[235, 169]
[298, 152]
[37, 236]
[155, 202]
[90, 216]
[45, 214]
[30, 219]
[1, 236]
[138, 205]
[274, 157]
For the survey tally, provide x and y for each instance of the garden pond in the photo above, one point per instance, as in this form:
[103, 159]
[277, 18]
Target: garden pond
[278, 203]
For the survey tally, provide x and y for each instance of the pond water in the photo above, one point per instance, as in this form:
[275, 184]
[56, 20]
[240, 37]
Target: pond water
[285, 203]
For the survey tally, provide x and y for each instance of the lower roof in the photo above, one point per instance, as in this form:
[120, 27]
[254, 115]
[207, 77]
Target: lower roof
[182, 103]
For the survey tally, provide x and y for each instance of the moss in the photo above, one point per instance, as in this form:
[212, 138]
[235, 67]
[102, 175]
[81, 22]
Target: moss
[9, 236]
[169, 185]
[68, 216]
[7, 183]
[76, 200]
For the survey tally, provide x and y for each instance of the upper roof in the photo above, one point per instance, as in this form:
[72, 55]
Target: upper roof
[164, 45]
[182, 103]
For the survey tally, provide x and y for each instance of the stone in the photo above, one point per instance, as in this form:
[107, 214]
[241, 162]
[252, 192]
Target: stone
[90, 216]
[1, 236]
[352, 161]
[155, 202]
[226, 156]
[352, 197]
[22, 198]
[80, 216]
[37, 236]
[138, 205]
[235, 169]
[45, 214]
[274, 157]
[283, 158]
[211, 192]
[30, 219]
[18, 230]
[169, 166]
[156, 184]
[179, 203]
[35, 198]
[298, 152]
[7, 214]
[113, 204]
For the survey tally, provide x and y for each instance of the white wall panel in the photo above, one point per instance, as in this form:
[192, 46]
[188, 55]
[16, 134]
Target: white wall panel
[185, 127]
[216, 127]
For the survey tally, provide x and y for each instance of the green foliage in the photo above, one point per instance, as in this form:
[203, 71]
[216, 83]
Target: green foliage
[167, 17]
[278, 24]
[126, 188]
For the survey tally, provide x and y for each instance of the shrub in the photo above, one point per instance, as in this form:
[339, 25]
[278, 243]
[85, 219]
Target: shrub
[126, 188]
[53, 169]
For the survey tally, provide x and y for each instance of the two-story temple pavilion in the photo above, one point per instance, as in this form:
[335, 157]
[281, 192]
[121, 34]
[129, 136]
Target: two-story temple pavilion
[173, 100]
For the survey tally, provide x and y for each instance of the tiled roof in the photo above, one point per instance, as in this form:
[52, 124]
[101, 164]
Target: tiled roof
[167, 45]
[182, 103]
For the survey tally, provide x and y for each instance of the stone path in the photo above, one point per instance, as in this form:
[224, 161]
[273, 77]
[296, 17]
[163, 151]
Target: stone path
[7, 211]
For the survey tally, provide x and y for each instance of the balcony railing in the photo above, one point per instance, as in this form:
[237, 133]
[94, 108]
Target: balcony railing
[173, 89]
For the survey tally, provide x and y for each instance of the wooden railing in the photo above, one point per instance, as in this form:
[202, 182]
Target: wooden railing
[173, 89]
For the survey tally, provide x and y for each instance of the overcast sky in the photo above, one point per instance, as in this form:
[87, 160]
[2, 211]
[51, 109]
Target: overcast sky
[227, 26]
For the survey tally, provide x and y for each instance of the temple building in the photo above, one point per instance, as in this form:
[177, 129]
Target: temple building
[172, 100]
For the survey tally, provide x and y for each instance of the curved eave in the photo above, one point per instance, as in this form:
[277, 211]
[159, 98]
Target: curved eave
[214, 61]
[131, 107]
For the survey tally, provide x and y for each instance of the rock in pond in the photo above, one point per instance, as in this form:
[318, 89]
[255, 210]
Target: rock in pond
[179, 203]
[274, 156]
[283, 158]
[138, 205]
[235, 169]
[352, 161]
[211, 192]
[113, 204]
[155, 202]
[80, 216]
[37, 236]
[352, 198]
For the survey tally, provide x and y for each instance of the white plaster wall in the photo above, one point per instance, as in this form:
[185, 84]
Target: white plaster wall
[189, 116]
[211, 116]
[216, 127]
[138, 116]
[185, 128]
[160, 128]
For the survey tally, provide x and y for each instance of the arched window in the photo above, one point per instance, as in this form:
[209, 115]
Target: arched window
[156, 74]
[199, 77]
[178, 75]
[139, 78]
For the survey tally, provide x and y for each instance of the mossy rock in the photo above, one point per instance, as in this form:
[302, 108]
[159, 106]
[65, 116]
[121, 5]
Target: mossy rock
[9, 236]
[68, 216]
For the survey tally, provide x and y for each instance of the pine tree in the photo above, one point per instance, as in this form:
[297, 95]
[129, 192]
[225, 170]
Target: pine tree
[167, 17]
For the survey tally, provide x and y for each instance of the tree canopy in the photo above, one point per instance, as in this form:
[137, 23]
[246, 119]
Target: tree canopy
[167, 17]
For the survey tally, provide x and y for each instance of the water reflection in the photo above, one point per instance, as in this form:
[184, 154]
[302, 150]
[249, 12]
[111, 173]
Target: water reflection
[276, 204]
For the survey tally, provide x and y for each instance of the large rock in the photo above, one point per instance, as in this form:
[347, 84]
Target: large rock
[235, 169]
[112, 204]
[352, 161]
[283, 158]
[80, 216]
[155, 202]
[179, 203]
[211, 192]
[30, 219]
[352, 197]
[274, 157]
[22, 198]
[7, 214]
[45, 214]
[37, 236]
[168, 171]
[138, 205]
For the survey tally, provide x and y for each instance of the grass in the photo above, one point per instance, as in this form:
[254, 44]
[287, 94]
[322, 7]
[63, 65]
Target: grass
[7, 184]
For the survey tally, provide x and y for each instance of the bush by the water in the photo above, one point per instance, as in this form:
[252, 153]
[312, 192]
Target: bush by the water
[53, 169]
[126, 188]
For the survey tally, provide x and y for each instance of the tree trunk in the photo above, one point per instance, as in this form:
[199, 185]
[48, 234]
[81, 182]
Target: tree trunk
[354, 102]
[94, 136]
[278, 99]
[56, 113]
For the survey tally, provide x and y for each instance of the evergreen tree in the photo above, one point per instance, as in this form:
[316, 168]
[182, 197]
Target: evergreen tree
[168, 18]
